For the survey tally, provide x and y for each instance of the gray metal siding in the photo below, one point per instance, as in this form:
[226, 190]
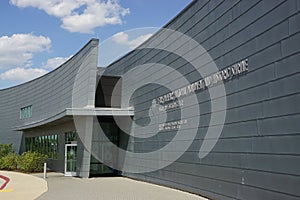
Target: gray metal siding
[257, 154]
[49, 95]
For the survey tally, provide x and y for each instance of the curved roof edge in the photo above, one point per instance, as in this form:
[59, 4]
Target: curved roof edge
[93, 42]
[157, 32]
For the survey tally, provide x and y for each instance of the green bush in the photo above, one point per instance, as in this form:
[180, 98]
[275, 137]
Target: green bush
[5, 149]
[27, 162]
[9, 162]
[31, 161]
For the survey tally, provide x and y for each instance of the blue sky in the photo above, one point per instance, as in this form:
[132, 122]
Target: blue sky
[36, 36]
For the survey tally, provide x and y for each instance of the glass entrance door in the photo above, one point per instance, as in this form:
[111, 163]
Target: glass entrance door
[70, 159]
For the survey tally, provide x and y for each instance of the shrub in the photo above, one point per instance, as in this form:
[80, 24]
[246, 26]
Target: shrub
[5, 149]
[27, 162]
[9, 162]
[31, 161]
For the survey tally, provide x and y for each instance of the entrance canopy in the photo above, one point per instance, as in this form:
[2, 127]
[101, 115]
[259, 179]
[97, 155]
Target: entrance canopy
[67, 114]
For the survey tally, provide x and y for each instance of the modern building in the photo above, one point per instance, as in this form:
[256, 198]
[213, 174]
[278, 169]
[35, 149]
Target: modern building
[209, 104]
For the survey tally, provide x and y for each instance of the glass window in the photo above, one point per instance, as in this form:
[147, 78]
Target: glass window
[70, 137]
[26, 112]
[43, 144]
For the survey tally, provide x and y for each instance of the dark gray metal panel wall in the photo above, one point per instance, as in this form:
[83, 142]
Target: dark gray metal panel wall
[257, 155]
[49, 95]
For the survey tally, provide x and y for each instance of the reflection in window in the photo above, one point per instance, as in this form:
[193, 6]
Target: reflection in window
[26, 112]
[47, 144]
[70, 137]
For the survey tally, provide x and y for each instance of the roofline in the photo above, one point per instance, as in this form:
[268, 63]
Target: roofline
[60, 66]
[157, 32]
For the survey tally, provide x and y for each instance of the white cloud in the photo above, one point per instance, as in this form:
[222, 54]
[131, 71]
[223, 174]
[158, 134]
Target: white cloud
[120, 38]
[22, 74]
[79, 15]
[18, 50]
[53, 63]
[123, 39]
[57, 8]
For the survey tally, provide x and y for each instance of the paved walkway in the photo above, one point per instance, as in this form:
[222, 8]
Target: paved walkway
[19, 186]
[109, 188]
[27, 187]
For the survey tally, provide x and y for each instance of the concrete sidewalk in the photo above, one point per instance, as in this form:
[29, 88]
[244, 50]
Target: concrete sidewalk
[26, 187]
[21, 186]
[109, 188]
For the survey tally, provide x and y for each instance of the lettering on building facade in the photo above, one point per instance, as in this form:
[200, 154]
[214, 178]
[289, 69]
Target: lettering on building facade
[204, 83]
[174, 99]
